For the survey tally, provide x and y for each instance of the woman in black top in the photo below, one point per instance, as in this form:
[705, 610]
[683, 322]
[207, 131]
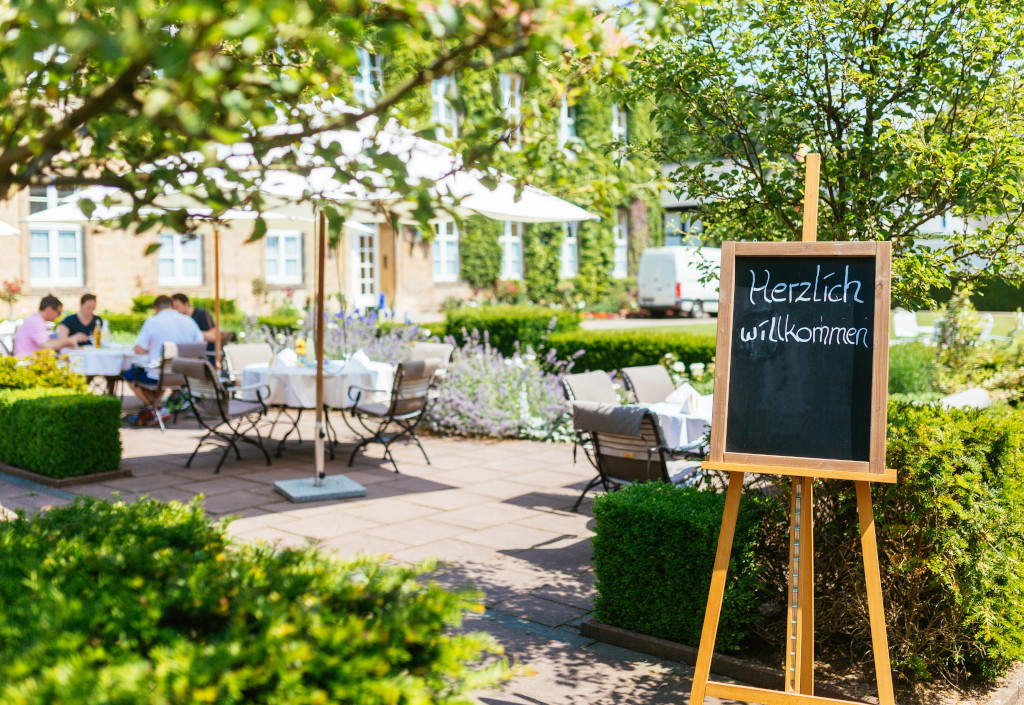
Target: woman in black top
[85, 321]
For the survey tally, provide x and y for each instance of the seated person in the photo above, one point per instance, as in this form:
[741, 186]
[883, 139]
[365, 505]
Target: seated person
[85, 321]
[202, 318]
[166, 325]
[32, 335]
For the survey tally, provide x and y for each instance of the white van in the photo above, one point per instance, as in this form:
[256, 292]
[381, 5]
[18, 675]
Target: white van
[669, 279]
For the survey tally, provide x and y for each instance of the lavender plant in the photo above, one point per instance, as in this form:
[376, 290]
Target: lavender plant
[488, 394]
[379, 334]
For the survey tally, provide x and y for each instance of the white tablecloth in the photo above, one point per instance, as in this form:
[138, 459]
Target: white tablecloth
[106, 362]
[678, 428]
[295, 386]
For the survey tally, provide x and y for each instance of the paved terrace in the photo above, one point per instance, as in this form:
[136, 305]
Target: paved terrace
[496, 512]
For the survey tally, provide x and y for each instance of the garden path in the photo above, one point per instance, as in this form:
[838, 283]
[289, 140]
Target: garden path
[497, 513]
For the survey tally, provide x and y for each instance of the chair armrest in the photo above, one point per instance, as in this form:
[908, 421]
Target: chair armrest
[359, 391]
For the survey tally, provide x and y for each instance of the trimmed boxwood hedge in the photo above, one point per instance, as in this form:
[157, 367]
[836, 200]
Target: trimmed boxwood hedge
[132, 322]
[508, 325]
[150, 603]
[615, 349]
[654, 548]
[60, 432]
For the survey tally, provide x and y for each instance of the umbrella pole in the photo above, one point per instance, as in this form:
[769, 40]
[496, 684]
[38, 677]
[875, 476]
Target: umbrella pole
[216, 297]
[319, 332]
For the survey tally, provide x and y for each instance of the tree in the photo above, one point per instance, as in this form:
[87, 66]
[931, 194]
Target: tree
[92, 90]
[916, 107]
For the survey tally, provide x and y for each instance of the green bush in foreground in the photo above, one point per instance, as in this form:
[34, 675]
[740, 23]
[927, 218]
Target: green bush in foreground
[614, 349]
[42, 369]
[149, 603]
[654, 548]
[60, 432]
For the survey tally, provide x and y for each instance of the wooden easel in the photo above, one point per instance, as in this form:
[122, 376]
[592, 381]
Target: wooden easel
[799, 675]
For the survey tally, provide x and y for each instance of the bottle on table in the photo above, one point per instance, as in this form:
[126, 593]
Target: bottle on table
[102, 333]
[300, 349]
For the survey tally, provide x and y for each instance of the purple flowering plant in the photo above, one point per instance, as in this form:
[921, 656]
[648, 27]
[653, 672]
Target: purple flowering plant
[488, 394]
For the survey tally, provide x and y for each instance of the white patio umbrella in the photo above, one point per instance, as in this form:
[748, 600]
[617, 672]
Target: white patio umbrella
[8, 229]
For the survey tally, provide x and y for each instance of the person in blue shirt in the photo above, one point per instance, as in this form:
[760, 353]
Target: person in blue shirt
[85, 321]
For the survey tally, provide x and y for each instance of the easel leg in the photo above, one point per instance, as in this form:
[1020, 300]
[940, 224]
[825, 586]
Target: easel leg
[805, 663]
[800, 604]
[714, 610]
[876, 613]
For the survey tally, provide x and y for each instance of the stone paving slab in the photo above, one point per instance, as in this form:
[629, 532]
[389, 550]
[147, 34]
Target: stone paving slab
[496, 514]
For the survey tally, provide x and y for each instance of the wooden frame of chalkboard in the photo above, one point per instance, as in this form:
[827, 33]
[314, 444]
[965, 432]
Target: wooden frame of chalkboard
[866, 459]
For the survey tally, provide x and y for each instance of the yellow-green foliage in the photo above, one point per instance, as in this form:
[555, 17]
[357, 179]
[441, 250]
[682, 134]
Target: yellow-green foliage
[41, 369]
[151, 603]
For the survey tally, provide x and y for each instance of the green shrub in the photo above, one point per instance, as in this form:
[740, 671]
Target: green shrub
[41, 369]
[654, 548]
[911, 368]
[615, 349]
[60, 432]
[150, 603]
[125, 322]
[507, 325]
[950, 535]
[144, 304]
[280, 322]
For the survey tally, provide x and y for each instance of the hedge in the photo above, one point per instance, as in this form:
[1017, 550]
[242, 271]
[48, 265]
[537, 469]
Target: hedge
[615, 349]
[132, 322]
[60, 432]
[508, 325]
[144, 304]
[950, 534]
[654, 548]
[150, 603]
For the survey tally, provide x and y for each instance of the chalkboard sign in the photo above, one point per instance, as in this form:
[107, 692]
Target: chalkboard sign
[802, 360]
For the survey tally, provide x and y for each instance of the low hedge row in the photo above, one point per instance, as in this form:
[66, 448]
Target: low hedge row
[509, 327]
[615, 349]
[60, 432]
[654, 548]
[132, 322]
[105, 602]
[950, 533]
[144, 304]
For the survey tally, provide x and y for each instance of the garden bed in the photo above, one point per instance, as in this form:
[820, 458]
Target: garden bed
[58, 483]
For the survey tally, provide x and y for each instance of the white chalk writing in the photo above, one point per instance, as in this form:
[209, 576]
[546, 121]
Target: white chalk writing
[824, 288]
[778, 329]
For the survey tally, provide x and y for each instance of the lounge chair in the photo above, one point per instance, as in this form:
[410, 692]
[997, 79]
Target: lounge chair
[399, 417]
[648, 384]
[906, 329]
[628, 448]
[224, 417]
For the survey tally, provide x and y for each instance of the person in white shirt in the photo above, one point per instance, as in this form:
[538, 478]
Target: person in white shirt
[165, 326]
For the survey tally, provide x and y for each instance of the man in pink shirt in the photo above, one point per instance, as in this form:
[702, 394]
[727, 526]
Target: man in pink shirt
[32, 335]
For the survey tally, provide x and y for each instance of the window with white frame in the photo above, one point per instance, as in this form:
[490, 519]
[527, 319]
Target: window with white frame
[40, 198]
[446, 252]
[512, 251]
[620, 268]
[511, 85]
[55, 256]
[181, 260]
[369, 80]
[284, 257]
[566, 125]
[570, 251]
[443, 92]
[620, 130]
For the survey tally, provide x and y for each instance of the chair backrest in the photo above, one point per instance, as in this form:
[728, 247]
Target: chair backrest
[988, 322]
[627, 440]
[590, 386]
[649, 384]
[169, 379]
[413, 380]
[4, 350]
[240, 355]
[206, 393]
[904, 324]
[428, 351]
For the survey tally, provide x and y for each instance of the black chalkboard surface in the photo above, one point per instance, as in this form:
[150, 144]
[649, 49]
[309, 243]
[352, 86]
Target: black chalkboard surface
[800, 368]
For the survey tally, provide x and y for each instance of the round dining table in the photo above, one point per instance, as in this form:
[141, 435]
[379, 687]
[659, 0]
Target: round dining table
[108, 361]
[294, 386]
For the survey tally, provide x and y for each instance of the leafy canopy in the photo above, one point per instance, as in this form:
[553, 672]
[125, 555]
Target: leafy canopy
[92, 90]
[915, 106]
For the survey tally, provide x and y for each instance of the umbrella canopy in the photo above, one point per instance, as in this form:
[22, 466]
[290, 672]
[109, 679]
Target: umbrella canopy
[8, 229]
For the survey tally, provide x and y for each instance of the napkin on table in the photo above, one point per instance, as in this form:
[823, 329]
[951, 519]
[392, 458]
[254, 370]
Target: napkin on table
[687, 397]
